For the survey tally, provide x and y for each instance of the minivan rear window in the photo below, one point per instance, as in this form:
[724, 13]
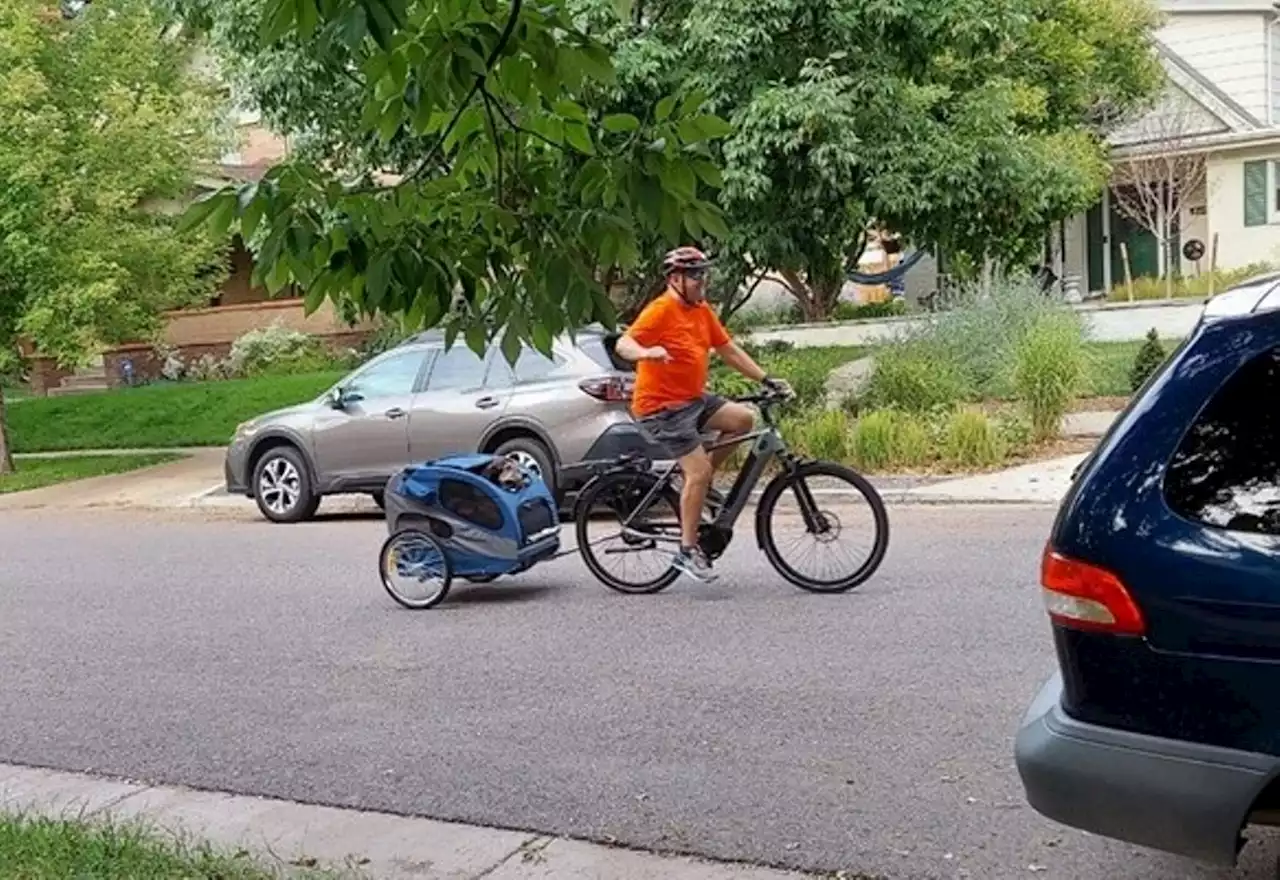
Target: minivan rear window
[1226, 471]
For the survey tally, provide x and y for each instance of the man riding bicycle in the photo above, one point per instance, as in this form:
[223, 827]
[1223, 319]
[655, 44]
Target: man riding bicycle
[670, 344]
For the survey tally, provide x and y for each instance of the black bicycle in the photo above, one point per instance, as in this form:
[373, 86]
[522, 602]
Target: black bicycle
[642, 503]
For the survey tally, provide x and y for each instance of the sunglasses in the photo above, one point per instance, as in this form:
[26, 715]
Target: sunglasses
[695, 274]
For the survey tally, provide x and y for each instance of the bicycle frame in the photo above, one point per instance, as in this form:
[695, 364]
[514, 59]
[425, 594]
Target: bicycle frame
[768, 445]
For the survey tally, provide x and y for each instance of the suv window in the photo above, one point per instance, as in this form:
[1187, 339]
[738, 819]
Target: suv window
[531, 366]
[600, 350]
[394, 375]
[1226, 472]
[457, 368]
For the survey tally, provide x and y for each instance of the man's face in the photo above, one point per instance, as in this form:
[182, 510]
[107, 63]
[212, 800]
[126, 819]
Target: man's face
[690, 284]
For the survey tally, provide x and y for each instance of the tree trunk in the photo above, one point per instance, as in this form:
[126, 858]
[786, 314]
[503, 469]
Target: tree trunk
[6, 456]
[812, 308]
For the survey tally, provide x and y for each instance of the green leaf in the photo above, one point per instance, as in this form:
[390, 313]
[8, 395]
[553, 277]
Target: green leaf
[314, 298]
[475, 336]
[708, 173]
[308, 17]
[379, 276]
[541, 337]
[579, 137]
[202, 209]
[712, 221]
[222, 217]
[678, 178]
[511, 345]
[570, 110]
[593, 60]
[711, 127]
[664, 108]
[620, 122]
[250, 219]
[691, 223]
[392, 116]
[693, 101]
[277, 20]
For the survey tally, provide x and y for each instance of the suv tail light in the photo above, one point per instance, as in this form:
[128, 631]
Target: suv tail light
[1084, 596]
[610, 389]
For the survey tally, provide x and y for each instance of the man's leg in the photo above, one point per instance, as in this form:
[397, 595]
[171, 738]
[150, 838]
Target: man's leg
[729, 420]
[698, 469]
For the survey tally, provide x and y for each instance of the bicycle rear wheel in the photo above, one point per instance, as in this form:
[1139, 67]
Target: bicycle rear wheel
[653, 536]
[830, 498]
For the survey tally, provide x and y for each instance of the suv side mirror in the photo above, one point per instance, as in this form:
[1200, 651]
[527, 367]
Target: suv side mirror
[337, 398]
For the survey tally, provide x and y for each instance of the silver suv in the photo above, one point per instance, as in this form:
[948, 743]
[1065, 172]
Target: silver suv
[418, 402]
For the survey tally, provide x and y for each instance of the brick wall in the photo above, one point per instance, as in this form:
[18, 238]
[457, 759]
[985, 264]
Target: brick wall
[225, 323]
[147, 364]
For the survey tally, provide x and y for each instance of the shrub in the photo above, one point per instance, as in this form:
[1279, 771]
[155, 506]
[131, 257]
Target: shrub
[913, 444]
[1049, 369]
[915, 376]
[824, 434]
[1148, 359]
[964, 353]
[847, 311]
[387, 336]
[873, 440]
[1193, 286]
[806, 369]
[972, 440]
[276, 350]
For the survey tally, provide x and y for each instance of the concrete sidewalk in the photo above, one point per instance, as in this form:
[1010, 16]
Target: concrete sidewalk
[176, 484]
[353, 843]
[1041, 483]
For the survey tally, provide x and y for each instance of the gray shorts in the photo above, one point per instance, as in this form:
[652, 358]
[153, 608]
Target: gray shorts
[679, 430]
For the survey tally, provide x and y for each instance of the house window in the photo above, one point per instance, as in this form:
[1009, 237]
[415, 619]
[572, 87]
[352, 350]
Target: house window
[1262, 192]
[1273, 185]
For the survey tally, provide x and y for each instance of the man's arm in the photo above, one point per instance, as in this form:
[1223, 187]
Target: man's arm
[630, 350]
[733, 355]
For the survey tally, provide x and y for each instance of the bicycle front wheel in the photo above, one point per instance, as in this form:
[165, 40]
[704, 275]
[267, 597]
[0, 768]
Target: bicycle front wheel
[627, 549]
[838, 523]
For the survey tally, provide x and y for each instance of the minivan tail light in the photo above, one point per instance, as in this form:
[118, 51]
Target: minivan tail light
[610, 389]
[1083, 596]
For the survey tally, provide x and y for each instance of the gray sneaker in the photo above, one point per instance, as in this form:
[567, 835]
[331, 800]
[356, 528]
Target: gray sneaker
[695, 564]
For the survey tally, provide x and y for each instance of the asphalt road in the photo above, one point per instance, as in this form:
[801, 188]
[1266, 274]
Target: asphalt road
[746, 720]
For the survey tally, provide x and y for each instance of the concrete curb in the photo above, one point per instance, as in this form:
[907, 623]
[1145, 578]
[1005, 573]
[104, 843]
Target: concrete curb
[353, 843]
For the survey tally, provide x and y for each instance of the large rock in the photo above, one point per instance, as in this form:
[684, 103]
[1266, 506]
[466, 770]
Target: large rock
[849, 380]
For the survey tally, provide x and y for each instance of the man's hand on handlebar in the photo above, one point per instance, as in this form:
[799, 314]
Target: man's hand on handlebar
[778, 387]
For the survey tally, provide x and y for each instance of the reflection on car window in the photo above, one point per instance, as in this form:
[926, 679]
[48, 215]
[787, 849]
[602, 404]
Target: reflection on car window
[459, 367]
[1226, 473]
[393, 376]
[531, 366]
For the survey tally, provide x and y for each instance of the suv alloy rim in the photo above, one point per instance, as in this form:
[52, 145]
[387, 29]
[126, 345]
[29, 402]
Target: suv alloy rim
[279, 485]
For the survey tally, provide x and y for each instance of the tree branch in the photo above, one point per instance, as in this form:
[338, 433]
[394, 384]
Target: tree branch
[512, 17]
[493, 133]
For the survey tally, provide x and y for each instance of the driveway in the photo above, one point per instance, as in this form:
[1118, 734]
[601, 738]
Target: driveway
[746, 720]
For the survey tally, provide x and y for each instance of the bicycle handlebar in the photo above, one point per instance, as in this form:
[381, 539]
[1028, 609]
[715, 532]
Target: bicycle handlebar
[767, 397]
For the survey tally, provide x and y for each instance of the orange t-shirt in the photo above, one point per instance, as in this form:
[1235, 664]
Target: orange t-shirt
[689, 334]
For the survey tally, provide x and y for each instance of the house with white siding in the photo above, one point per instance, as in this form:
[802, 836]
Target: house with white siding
[1221, 106]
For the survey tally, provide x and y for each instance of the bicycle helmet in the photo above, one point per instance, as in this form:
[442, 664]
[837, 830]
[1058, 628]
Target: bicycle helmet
[684, 258]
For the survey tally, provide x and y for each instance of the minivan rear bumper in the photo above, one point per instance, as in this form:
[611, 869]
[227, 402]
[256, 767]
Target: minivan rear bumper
[1183, 798]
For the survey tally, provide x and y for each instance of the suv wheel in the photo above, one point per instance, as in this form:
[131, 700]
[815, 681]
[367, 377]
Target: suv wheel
[282, 486]
[532, 454]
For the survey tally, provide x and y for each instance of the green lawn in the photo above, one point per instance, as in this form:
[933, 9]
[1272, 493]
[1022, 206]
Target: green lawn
[44, 849]
[36, 473]
[164, 414]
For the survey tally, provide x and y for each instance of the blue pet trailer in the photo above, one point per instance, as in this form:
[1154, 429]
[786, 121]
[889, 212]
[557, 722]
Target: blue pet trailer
[453, 517]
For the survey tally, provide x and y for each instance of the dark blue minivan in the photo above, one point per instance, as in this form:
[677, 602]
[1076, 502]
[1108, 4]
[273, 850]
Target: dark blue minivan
[1162, 581]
